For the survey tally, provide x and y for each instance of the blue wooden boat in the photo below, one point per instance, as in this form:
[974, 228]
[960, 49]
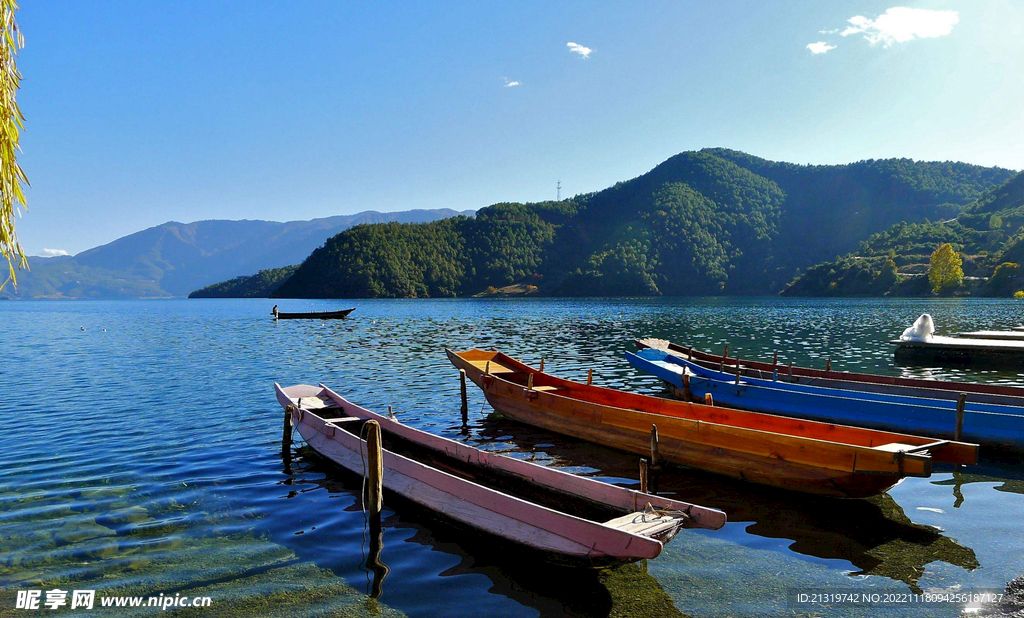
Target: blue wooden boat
[986, 423]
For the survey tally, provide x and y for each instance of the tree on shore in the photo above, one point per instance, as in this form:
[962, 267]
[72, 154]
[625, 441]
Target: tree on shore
[12, 197]
[946, 271]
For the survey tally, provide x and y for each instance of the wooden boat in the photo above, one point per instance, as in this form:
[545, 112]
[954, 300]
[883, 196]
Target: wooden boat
[826, 400]
[567, 518]
[313, 315]
[973, 389]
[799, 455]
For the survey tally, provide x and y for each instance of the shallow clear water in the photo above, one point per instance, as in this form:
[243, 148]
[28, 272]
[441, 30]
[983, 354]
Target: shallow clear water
[142, 455]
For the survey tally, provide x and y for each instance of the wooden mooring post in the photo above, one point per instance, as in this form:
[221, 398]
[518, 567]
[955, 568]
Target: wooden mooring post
[374, 468]
[643, 475]
[708, 399]
[286, 435]
[465, 399]
[961, 401]
[737, 370]
[590, 377]
[655, 455]
[687, 394]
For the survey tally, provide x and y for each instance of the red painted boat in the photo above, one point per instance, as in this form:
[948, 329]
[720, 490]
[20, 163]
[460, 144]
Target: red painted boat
[568, 518]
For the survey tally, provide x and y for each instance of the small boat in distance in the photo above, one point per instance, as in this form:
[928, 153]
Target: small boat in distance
[567, 518]
[311, 315]
[787, 453]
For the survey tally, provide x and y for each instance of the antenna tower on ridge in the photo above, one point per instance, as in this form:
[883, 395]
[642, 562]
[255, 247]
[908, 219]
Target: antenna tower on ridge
[558, 188]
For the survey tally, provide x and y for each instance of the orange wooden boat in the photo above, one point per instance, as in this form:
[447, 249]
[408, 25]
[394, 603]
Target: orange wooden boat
[794, 454]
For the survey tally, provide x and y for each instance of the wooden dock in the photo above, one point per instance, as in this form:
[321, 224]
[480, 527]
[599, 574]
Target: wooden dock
[961, 352]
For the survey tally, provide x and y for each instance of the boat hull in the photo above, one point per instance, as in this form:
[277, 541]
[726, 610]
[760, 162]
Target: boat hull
[814, 466]
[559, 536]
[315, 315]
[893, 382]
[992, 425]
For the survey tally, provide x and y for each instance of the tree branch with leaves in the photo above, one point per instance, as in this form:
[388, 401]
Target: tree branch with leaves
[12, 178]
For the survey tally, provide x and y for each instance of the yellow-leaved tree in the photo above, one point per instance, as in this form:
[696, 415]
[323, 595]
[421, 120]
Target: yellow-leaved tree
[946, 272]
[12, 196]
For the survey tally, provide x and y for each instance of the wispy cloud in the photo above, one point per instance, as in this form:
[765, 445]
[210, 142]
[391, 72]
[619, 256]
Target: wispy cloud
[820, 47]
[900, 24]
[511, 83]
[53, 252]
[832, 31]
[576, 48]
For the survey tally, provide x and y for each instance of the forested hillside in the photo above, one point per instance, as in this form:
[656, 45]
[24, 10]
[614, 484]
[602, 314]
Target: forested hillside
[987, 233]
[709, 222]
[260, 285]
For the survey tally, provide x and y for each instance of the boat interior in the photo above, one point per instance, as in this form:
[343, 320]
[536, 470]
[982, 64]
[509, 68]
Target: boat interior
[653, 523]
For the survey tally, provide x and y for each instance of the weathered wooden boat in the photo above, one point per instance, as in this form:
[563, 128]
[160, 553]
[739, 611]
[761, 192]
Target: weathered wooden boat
[567, 518]
[791, 372]
[799, 455]
[826, 400]
[313, 315]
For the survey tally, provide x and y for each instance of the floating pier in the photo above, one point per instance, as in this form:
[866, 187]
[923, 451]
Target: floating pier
[963, 352]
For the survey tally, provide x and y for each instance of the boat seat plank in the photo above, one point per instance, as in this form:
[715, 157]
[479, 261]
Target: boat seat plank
[894, 447]
[313, 403]
[496, 368]
[646, 524]
[343, 419]
[548, 389]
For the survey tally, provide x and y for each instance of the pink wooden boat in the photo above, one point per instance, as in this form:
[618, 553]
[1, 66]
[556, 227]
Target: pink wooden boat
[569, 518]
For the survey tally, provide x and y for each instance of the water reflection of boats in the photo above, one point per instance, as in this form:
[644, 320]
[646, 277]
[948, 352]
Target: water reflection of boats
[873, 534]
[1005, 475]
[626, 590]
[550, 589]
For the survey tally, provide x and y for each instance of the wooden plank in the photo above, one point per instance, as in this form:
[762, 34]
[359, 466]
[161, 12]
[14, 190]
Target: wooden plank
[496, 368]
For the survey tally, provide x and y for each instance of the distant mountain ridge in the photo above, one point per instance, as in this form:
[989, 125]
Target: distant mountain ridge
[173, 259]
[702, 222]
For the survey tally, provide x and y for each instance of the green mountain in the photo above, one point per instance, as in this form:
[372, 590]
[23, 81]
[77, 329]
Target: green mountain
[988, 232]
[707, 222]
[174, 259]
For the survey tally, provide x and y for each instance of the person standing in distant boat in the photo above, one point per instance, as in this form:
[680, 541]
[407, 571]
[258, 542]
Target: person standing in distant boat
[274, 311]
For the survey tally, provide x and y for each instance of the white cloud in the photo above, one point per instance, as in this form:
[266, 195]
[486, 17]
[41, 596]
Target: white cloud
[832, 31]
[576, 48]
[900, 24]
[820, 47]
[511, 83]
[53, 252]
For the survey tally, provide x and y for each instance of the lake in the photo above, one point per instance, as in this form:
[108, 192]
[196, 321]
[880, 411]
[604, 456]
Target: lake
[142, 455]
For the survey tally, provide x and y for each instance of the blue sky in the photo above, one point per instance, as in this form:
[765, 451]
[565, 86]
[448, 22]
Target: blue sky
[144, 112]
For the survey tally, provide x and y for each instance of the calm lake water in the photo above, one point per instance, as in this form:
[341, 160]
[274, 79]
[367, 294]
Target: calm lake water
[142, 455]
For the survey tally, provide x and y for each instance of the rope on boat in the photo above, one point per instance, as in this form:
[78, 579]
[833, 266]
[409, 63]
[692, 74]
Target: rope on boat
[651, 510]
